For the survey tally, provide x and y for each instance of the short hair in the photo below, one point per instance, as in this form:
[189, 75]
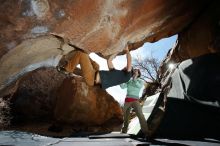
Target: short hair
[139, 72]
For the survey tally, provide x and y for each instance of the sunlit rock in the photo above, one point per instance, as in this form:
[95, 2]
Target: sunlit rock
[79, 103]
[30, 55]
[104, 27]
[29, 51]
[44, 96]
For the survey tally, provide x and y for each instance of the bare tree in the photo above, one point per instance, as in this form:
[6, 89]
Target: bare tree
[149, 68]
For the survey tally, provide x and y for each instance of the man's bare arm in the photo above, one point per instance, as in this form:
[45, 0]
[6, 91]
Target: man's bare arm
[109, 61]
[128, 55]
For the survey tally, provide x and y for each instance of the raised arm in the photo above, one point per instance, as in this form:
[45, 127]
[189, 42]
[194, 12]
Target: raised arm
[128, 55]
[109, 61]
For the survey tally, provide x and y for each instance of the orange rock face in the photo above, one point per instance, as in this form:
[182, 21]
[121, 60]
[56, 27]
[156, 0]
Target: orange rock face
[103, 27]
[97, 26]
[43, 97]
[201, 37]
[79, 103]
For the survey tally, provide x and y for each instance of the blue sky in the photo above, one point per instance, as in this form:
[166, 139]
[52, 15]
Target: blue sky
[158, 50]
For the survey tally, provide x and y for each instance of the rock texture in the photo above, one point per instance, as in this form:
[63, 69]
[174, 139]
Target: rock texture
[36, 91]
[104, 27]
[44, 97]
[80, 104]
[30, 55]
[198, 37]
[96, 26]
[201, 37]
[28, 42]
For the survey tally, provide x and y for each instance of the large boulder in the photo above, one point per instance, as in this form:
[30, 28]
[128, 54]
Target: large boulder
[44, 97]
[79, 103]
[37, 33]
[97, 26]
[34, 96]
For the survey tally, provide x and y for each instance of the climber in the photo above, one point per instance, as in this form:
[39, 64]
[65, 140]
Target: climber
[134, 86]
[90, 69]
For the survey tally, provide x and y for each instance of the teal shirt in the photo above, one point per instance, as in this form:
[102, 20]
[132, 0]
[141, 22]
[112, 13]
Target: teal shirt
[133, 87]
